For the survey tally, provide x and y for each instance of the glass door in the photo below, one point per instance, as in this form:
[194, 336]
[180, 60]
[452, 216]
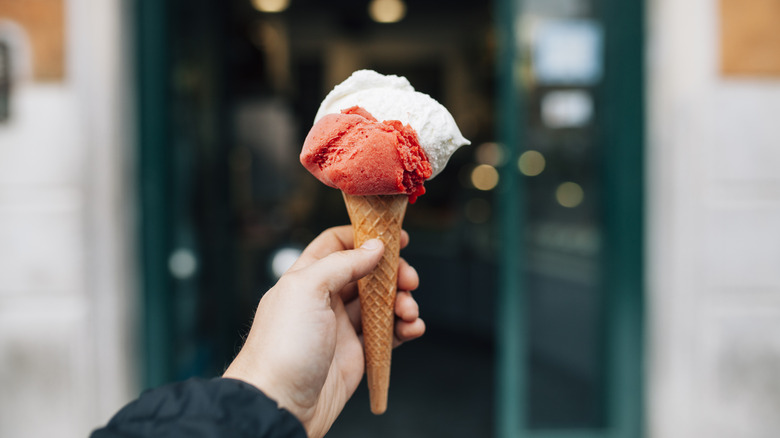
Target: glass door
[569, 312]
[531, 277]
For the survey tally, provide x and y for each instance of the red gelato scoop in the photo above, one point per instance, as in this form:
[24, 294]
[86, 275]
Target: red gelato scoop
[355, 153]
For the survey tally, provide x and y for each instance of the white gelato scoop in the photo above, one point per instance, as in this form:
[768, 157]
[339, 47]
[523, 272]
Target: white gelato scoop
[393, 98]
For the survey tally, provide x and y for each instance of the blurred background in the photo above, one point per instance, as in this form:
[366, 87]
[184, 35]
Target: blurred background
[601, 261]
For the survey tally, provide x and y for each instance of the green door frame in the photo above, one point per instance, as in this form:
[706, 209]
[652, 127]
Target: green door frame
[166, 176]
[156, 358]
[623, 109]
[511, 333]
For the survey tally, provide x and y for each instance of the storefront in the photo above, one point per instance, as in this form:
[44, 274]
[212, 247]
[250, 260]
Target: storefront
[529, 245]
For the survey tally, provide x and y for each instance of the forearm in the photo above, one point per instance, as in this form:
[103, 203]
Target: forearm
[203, 408]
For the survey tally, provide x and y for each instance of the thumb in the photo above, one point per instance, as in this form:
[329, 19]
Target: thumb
[330, 274]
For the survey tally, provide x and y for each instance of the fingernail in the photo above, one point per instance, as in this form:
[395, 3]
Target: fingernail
[370, 244]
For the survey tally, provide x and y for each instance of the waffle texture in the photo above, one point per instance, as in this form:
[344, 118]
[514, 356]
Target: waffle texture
[378, 216]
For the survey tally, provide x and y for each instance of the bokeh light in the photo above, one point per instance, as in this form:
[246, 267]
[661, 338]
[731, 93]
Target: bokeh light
[490, 153]
[182, 264]
[531, 163]
[271, 5]
[484, 177]
[387, 11]
[283, 259]
[569, 194]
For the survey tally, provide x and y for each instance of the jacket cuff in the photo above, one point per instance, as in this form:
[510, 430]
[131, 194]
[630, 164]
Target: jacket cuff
[203, 408]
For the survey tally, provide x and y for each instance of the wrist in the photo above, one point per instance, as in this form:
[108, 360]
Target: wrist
[259, 380]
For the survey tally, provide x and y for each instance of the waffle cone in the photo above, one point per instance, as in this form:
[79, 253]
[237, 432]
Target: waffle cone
[378, 216]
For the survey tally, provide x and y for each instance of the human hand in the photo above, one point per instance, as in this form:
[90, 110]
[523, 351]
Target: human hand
[305, 349]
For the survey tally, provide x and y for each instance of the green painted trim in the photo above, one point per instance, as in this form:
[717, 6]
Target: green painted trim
[511, 329]
[624, 181]
[154, 196]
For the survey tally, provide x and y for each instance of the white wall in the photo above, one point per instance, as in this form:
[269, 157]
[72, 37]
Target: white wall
[714, 245]
[66, 260]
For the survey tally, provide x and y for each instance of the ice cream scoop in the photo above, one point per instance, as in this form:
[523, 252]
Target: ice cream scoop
[359, 155]
[388, 97]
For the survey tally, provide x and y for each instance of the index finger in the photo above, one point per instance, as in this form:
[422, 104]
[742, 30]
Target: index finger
[332, 240]
[329, 241]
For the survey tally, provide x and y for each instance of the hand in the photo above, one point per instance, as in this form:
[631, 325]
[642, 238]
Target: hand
[305, 349]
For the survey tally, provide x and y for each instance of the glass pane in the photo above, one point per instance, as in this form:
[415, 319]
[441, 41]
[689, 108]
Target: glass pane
[562, 167]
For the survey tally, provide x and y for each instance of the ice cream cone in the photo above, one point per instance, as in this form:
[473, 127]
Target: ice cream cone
[378, 216]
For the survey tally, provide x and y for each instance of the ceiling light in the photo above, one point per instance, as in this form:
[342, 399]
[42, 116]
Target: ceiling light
[387, 11]
[271, 5]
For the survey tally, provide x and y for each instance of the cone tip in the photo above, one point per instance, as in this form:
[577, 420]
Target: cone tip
[378, 407]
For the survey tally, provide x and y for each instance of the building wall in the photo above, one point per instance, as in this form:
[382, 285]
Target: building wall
[65, 244]
[713, 269]
[713, 272]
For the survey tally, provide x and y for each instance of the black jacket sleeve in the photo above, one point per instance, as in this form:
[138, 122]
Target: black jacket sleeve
[200, 408]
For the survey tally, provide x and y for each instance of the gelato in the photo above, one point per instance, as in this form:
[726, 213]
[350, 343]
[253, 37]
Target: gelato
[393, 98]
[354, 152]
